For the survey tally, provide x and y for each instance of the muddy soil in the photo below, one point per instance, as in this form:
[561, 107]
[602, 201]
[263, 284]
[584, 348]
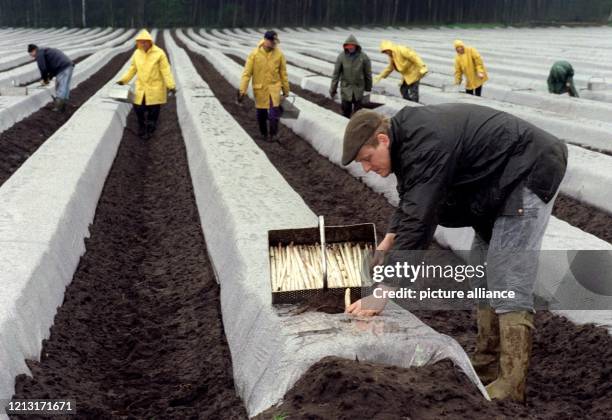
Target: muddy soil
[20, 141]
[571, 371]
[140, 334]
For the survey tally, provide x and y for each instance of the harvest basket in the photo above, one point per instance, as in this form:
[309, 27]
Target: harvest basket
[327, 280]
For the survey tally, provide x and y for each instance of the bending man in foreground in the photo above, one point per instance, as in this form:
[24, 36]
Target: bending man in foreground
[468, 165]
[153, 81]
[54, 63]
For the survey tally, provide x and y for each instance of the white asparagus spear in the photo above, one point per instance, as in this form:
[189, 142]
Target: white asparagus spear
[335, 276]
[357, 260]
[299, 270]
[302, 273]
[343, 265]
[342, 274]
[315, 270]
[292, 268]
[347, 298]
[307, 257]
[287, 273]
[349, 263]
[272, 269]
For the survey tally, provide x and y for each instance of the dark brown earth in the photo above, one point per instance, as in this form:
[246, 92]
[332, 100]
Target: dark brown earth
[139, 335]
[584, 217]
[571, 372]
[20, 141]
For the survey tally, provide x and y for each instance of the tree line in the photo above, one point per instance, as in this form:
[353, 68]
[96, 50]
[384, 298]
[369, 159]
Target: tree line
[279, 13]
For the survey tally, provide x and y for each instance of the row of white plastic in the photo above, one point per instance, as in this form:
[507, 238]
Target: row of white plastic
[47, 207]
[271, 348]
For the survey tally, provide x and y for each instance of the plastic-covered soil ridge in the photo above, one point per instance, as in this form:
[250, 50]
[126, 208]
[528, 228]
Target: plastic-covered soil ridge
[140, 333]
[21, 140]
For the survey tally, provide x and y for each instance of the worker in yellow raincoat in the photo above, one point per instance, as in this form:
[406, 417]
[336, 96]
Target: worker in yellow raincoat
[154, 79]
[267, 66]
[468, 63]
[408, 63]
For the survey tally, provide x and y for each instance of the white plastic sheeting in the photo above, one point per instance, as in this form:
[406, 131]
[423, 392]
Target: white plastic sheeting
[45, 210]
[240, 196]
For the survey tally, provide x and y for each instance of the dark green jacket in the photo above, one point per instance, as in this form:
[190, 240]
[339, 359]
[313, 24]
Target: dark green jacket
[354, 71]
[561, 79]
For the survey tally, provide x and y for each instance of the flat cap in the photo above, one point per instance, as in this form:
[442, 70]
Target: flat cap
[360, 128]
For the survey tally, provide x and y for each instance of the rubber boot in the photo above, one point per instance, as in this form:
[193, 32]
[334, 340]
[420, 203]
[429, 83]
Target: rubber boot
[516, 335]
[149, 129]
[142, 131]
[486, 357]
[59, 105]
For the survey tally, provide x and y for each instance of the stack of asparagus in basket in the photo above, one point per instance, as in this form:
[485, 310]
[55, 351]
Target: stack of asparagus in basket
[300, 267]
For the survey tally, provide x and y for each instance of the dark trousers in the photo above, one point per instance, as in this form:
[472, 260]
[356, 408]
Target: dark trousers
[410, 92]
[271, 115]
[147, 115]
[349, 107]
[477, 91]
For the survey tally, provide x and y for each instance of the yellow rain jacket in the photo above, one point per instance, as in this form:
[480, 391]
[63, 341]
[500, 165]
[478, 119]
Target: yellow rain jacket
[152, 69]
[269, 73]
[404, 60]
[469, 64]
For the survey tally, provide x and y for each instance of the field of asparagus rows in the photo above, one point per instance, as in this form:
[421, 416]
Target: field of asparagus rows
[136, 275]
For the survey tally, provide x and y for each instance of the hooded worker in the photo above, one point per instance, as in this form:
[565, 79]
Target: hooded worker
[464, 165]
[267, 66]
[54, 63]
[354, 71]
[468, 63]
[561, 79]
[154, 79]
[408, 63]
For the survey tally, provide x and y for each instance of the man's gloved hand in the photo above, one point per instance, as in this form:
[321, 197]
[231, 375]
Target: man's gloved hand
[332, 94]
[377, 79]
[44, 82]
[239, 96]
[120, 83]
[172, 92]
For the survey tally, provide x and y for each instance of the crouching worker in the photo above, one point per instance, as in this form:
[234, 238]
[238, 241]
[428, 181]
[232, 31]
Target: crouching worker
[267, 66]
[468, 63]
[561, 79]
[354, 71]
[408, 63]
[54, 63]
[463, 165]
[153, 81]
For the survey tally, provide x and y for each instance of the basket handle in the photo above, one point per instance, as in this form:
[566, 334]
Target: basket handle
[323, 253]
